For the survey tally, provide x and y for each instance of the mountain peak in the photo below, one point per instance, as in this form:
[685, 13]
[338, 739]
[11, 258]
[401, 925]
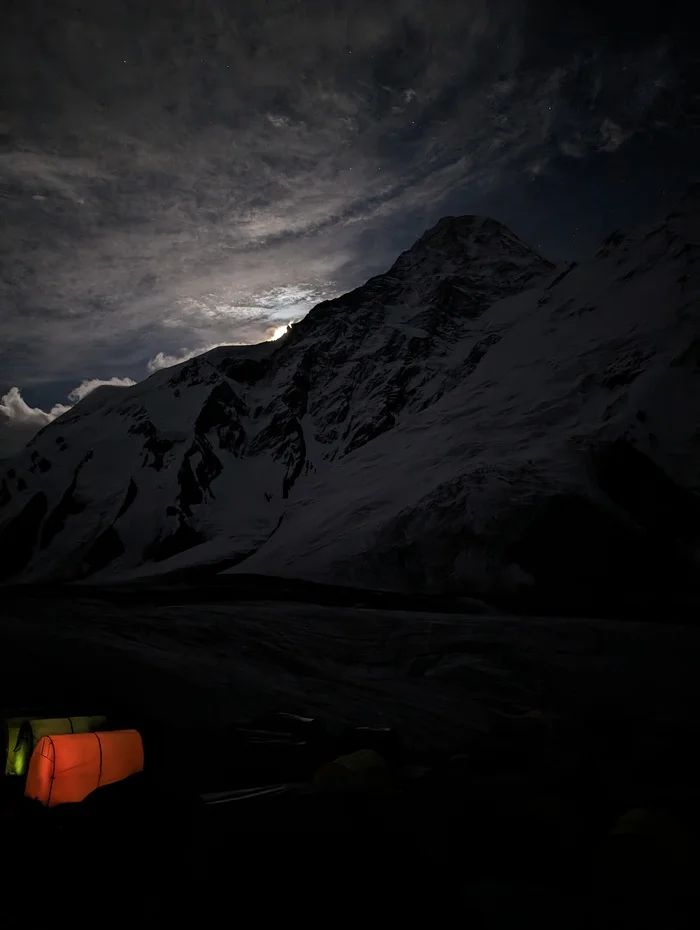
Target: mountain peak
[457, 229]
[464, 222]
[473, 237]
[478, 247]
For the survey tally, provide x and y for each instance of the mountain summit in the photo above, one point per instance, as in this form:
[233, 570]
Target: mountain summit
[477, 420]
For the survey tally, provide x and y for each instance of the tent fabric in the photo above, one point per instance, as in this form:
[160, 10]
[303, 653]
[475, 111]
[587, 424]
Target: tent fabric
[53, 726]
[23, 733]
[18, 748]
[66, 768]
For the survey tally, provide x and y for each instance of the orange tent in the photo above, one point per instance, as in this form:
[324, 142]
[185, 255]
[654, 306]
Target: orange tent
[68, 767]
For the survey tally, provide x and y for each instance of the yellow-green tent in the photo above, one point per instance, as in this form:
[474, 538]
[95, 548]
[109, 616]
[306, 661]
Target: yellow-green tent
[23, 733]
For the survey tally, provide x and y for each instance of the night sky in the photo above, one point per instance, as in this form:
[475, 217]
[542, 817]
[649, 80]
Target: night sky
[177, 174]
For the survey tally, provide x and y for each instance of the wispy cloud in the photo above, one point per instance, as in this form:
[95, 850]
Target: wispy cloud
[87, 387]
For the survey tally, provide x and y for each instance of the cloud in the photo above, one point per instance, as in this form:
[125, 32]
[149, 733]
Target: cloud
[612, 136]
[164, 172]
[163, 360]
[51, 175]
[168, 360]
[573, 148]
[274, 333]
[88, 386]
[281, 122]
[19, 422]
[15, 410]
[607, 137]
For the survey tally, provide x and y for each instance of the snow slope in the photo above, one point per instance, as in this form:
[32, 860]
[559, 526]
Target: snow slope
[476, 419]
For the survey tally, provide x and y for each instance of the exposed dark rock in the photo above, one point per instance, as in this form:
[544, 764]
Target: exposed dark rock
[157, 448]
[397, 394]
[297, 395]
[244, 370]
[276, 434]
[583, 555]
[190, 491]
[309, 359]
[131, 492]
[18, 536]
[298, 457]
[643, 490]
[418, 346]
[221, 412]
[105, 549]
[561, 276]
[476, 354]
[480, 349]
[564, 307]
[580, 554]
[610, 242]
[5, 496]
[209, 467]
[618, 404]
[689, 357]
[68, 506]
[218, 407]
[189, 373]
[192, 487]
[366, 432]
[21, 484]
[184, 537]
[338, 415]
[625, 369]
[142, 427]
[456, 294]
[154, 446]
[654, 232]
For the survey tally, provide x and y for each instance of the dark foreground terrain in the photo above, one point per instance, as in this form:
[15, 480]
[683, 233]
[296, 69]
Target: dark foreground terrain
[495, 822]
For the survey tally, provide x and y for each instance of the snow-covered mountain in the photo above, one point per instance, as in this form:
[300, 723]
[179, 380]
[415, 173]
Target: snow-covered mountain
[477, 420]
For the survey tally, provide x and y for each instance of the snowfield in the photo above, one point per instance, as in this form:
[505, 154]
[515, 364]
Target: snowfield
[436, 677]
